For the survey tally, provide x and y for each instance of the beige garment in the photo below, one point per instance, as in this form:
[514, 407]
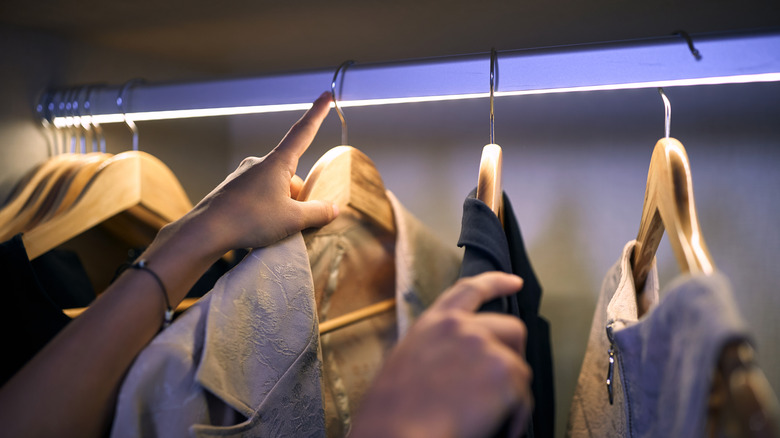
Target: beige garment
[243, 361]
[355, 264]
[591, 413]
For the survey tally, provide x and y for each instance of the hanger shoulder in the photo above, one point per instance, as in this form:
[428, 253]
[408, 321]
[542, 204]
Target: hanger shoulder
[123, 181]
[113, 189]
[161, 191]
[42, 196]
[651, 227]
[27, 185]
[346, 176]
[669, 206]
[489, 188]
[90, 164]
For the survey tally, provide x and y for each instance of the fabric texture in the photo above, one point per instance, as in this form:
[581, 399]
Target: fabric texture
[489, 246]
[355, 264]
[665, 360]
[228, 366]
[34, 296]
[244, 360]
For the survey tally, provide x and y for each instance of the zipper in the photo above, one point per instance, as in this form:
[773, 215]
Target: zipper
[611, 367]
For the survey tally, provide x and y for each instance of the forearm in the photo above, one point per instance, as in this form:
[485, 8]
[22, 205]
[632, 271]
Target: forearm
[69, 388]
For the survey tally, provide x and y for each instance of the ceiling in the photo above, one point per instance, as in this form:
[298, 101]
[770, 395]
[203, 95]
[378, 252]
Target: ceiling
[244, 37]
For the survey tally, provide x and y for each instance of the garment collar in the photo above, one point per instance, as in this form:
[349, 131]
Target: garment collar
[622, 309]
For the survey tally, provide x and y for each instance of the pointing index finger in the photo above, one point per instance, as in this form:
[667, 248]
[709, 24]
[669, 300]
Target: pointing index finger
[300, 136]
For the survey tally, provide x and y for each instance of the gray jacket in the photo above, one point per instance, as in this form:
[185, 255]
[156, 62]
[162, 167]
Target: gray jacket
[664, 361]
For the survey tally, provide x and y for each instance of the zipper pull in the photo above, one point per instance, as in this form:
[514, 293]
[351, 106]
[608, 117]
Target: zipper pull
[611, 369]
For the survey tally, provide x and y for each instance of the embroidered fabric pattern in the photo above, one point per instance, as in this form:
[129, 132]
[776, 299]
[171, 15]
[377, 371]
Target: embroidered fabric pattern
[241, 362]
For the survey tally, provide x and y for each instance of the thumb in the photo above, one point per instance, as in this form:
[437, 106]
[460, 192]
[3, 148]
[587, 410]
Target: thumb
[317, 213]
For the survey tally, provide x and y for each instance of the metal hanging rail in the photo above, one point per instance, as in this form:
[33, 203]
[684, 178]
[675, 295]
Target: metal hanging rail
[667, 61]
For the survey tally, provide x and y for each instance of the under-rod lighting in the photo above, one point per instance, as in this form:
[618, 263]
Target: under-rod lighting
[665, 62]
[62, 122]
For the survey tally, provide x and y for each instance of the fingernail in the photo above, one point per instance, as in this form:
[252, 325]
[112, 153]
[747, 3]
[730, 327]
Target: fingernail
[335, 210]
[324, 95]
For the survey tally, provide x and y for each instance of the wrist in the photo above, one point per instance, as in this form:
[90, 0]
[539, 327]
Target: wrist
[192, 237]
[180, 254]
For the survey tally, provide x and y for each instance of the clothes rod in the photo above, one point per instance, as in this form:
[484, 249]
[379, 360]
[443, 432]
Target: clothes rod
[658, 62]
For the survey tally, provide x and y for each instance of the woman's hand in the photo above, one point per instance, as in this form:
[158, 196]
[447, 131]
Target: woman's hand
[456, 372]
[255, 206]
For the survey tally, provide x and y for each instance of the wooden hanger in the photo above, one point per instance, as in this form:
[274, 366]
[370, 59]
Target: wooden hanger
[43, 196]
[90, 164]
[347, 177]
[31, 187]
[741, 394]
[669, 206]
[325, 326]
[126, 180]
[57, 194]
[489, 188]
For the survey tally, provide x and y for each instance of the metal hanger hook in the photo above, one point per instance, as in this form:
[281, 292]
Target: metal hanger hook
[99, 139]
[79, 119]
[493, 86]
[343, 66]
[694, 51]
[67, 108]
[57, 108]
[121, 102]
[86, 120]
[667, 112]
[44, 113]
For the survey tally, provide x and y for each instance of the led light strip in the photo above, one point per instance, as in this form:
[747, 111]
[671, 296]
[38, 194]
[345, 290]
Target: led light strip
[648, 63]
[63, 122]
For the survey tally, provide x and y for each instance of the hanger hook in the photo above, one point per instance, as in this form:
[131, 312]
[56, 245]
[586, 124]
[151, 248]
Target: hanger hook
[54, 108]
[78, 108]
[70, 117]
[59, 111]
[694, 51]
[121, 102]
[493, 86]
[43, 109]
[86, 120]
[667, 112]
[343, 66]
[99, 139]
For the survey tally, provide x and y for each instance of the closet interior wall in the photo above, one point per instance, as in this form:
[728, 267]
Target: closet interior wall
[575, 167]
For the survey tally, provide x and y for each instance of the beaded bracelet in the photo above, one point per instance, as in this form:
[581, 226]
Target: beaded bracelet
[141, 265]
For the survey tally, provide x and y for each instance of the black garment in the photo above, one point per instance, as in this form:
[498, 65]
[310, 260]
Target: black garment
[36, 292]
[64, 279]
[32, 299]
[491, 247]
